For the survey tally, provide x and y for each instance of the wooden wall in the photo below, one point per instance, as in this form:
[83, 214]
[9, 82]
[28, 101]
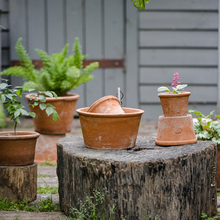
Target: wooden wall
[101, 27]
[179, 36]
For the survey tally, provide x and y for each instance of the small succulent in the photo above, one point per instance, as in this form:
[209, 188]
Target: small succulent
[177, 87]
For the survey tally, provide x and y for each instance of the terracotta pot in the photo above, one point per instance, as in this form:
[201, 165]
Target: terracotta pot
[174, 104]
[65, 106]
[107, 104]
[110, 131]
[17, 150]
[177, 130]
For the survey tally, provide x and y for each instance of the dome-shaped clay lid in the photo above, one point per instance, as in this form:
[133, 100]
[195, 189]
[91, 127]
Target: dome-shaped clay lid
[107, 104]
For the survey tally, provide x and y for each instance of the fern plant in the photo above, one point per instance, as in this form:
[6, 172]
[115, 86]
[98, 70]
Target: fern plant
[60, 73]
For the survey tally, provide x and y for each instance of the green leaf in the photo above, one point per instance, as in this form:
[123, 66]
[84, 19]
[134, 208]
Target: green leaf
[9, 96]
[181, 86]
[42, 98]
[42, 106]
[32, 114]
[2, 98]
[3, 85]
[49, 94]
[19, 93]
[36, 103]
[55, 116]
[49, 110]
[17, 113]
[24, 112]
[163, 88]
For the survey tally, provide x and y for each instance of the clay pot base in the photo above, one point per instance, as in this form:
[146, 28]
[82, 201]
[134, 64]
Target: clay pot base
[177, 130]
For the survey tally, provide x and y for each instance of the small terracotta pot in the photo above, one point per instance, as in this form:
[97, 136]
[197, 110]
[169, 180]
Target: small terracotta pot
[177, 130]
[107, 104]
[174, 104]
[110, 131]
[65, 106]
[17, 150]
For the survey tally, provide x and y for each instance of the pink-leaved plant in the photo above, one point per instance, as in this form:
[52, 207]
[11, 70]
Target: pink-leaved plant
[177, 87]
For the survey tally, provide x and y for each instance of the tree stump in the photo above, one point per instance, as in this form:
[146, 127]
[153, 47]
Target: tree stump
[177, 182]
[18, 182]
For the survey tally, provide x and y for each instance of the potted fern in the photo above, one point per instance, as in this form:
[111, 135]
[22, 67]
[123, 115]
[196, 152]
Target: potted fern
[60, 73]
[17, 148]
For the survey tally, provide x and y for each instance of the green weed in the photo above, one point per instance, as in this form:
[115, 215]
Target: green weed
[41, 175]
[45, 205]
[47, 163]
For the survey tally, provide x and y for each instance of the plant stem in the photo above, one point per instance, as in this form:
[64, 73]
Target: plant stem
[15, 126]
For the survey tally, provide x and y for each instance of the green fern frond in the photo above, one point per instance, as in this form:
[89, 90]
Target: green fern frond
[89, 68]
[24, 58]
[32, 85]
[77, 57]
[45, 58]
[46, 81]
[15, 71]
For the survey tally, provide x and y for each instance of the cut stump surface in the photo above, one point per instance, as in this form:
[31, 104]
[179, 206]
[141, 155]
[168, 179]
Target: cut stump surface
[177, 182]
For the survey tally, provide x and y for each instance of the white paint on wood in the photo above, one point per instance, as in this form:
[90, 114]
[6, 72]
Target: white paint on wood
[55, 26]
[179, 39]
[93, 47]
[164, 75]
[36, 27]
[178, 20]
[131, 61]
[183, 57]
[182, 5]
[113, 44]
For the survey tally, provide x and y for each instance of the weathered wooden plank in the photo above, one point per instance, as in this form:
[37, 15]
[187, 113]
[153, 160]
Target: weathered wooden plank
[202, 94]
[178, 20]
[152, 112]
[5, 21]
[183, 5]
[183, 57]
[187, 75]
[113, 44]
[131, 98]
[93, 46]
[18, 28]
[5, 39]
[55, 26]
[36, 27]
[178, 39]
[4, 5]
[5, 58]
[75, 28]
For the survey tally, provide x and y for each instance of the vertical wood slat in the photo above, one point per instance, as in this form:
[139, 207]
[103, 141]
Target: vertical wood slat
[131, 56]
[93, 46]
[218, 89]
[55, 26]
[18, 28]
[75, 26]
[36, 27]
[113, 44]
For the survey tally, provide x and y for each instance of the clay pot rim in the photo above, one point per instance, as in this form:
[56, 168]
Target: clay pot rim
[167, 94]
[84, 112]
[68, 97]
[20, 135]
[99, 101]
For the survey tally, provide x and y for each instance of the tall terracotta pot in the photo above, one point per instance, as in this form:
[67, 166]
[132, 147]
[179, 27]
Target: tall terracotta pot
[175, 127]
[174, 104]
[65, 106]
[110, 131]
[17, 150]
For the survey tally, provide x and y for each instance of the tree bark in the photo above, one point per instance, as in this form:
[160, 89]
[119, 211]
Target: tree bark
[18, 182]
[177, 182]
